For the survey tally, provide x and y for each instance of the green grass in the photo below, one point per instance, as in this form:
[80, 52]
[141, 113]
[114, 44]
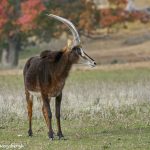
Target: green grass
[90, 117]
[96, 75]
[84, 135]
[113, 75]
[11, 81]
[27, 53]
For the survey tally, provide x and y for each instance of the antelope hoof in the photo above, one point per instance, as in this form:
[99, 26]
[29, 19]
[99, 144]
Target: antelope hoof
[30, 132]
[51, 136]
[60, 136]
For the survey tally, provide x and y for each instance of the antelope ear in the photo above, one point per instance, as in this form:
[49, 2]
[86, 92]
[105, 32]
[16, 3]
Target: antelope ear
[69, 46]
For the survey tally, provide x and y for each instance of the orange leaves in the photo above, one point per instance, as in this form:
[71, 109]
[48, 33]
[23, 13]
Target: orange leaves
[30, 10]
[4, 3]
[142, 16]
[3, 7]
[114, 14]
[118, 3]
[108, 21]
[22, 17]
[111, 16]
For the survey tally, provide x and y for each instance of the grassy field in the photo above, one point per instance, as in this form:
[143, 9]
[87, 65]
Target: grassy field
[100, 110]
[105, 108]
[79, 135]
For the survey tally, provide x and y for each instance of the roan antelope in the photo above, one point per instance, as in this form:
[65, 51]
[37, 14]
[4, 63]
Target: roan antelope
[46, 75]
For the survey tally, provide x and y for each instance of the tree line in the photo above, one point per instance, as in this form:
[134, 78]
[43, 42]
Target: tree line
[21, 19]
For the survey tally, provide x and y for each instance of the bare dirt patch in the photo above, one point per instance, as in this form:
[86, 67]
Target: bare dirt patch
[121, 48]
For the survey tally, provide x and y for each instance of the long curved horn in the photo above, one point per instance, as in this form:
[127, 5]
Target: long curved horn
[76, 38]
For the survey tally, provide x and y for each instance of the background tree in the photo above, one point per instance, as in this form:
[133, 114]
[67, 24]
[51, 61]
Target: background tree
[115, 14]
[82, 13]
[18, 18]
[21, 19]
[118, 14]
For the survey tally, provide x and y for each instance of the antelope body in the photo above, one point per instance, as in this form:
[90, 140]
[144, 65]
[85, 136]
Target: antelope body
[46, 74]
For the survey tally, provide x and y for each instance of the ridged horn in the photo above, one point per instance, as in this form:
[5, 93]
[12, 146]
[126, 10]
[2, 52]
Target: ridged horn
[76, 38]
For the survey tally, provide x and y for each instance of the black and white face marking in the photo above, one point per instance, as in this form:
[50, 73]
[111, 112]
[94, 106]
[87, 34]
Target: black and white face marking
[76, 41]
[84, 58]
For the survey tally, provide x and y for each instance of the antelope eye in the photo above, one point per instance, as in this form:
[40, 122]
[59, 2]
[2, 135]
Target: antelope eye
[78, 51]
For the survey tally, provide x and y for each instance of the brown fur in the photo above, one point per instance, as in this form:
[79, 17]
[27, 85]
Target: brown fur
[47, 71]
[47, 74]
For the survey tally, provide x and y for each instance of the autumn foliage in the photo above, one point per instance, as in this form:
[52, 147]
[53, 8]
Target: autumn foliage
[112, 16]
[4, 10]
[19, 15]
[30, 10]
[82, 13]
[20, 19]
[118, 3]
[17, 19]
[117, 14]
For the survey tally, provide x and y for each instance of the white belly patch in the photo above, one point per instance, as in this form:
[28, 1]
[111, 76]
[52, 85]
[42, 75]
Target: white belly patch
[36, 94]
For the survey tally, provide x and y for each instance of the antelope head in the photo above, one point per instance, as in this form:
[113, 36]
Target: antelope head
[76, 44]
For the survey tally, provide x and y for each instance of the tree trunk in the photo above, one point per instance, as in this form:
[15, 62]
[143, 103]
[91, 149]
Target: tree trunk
[4, 57]
[13, 50]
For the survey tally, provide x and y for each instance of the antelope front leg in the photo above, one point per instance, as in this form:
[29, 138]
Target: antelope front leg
[48, 115]
[29, 100]
[57, 113]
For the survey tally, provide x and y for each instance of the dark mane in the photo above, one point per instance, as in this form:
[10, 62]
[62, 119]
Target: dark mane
[52, 56]
[48, 66]
[45, 53]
